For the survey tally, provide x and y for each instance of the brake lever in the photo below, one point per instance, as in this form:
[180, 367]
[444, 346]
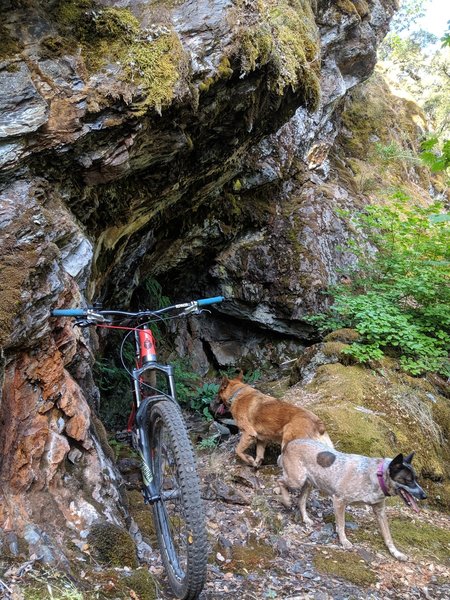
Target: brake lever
[92, 319]
[82, 323]
[199, 311]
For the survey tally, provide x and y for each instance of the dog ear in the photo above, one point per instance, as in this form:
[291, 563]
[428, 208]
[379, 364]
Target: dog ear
[396, 463]
[408, 459]
[240, 375]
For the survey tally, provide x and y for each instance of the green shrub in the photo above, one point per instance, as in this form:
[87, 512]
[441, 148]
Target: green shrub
[398, 297]
[191, 392]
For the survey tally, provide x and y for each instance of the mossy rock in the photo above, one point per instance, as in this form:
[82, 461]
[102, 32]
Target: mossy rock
[142, 583]
[142, 514]
[345, 335]
[9, 45]
[117, 584]
[112, 545]
[110, 35]
[348, 565]
[255, 555]
[336, 350]
[285, 39]
[414, 538]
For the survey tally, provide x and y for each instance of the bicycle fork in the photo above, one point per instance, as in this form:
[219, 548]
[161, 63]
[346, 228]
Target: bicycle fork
[140, 436]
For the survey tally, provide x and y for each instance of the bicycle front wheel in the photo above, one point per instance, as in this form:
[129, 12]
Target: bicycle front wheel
[178, 515]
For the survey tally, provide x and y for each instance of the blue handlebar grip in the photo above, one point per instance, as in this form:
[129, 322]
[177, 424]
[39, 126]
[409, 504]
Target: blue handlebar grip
[205, 301]
[68, 312]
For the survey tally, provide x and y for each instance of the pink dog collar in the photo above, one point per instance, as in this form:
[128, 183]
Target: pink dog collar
[380, 475]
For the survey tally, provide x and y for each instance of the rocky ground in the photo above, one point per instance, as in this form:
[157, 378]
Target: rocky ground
[259, 550]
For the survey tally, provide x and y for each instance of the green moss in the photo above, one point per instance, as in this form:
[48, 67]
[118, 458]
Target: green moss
[375, 120]
[142, 583]
[284, 38]
[256, 47]
[255, 555]
[113, 35]
[55, 46]
[335, 349]
[156, 66]
[206, 84]
[347, 565]
[142, 514]
[346, 6]
[16, 265]
[358, 432]
[412, 537]
[362, 7]
[9, 45]
[224, 71]
[112, 545]
[347, 336]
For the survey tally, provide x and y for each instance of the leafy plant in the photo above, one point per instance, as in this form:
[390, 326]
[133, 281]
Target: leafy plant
[434, 156]
[253, 376]
[397, 297]
[191, 392]
[209, 443]
[391, 152]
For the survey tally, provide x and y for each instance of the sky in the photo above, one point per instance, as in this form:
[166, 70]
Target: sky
[437, 15]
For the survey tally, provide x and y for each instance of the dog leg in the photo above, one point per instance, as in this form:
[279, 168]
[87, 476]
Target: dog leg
[244, 443]
[339, 514]
[304, 495]
[380, 513]
[260, 450]
[285, 495]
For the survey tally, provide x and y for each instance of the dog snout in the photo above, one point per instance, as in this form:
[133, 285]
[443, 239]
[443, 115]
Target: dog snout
[418, 492]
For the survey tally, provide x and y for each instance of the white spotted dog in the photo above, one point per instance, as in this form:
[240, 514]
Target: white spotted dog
[348, 478]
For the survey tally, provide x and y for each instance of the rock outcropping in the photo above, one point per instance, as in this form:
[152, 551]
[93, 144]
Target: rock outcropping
[186, 142]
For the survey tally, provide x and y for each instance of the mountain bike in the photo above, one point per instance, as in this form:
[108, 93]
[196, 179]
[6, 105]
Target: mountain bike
[158, 433]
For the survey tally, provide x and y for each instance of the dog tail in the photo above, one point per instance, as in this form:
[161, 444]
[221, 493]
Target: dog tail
[325, 439]
[321, 427]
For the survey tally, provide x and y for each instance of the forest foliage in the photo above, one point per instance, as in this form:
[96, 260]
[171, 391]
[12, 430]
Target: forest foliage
[397, 293]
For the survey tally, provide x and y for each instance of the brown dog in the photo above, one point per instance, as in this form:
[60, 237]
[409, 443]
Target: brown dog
[264, 419]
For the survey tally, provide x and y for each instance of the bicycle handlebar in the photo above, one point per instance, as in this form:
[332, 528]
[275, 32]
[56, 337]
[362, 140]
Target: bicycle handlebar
[205, 301]
[68, 312]
[94, 314]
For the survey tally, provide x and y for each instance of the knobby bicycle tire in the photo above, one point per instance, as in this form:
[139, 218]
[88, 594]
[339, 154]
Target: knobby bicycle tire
[179, 518]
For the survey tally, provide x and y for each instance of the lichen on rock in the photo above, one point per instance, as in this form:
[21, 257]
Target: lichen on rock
[150, 61]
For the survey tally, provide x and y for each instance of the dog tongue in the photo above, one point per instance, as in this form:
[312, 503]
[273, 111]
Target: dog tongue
[409, 499]
[220, 409]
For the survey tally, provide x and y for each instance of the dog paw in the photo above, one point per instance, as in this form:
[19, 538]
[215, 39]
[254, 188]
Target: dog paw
[347, 545]
[399, 555]
[308, 522]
